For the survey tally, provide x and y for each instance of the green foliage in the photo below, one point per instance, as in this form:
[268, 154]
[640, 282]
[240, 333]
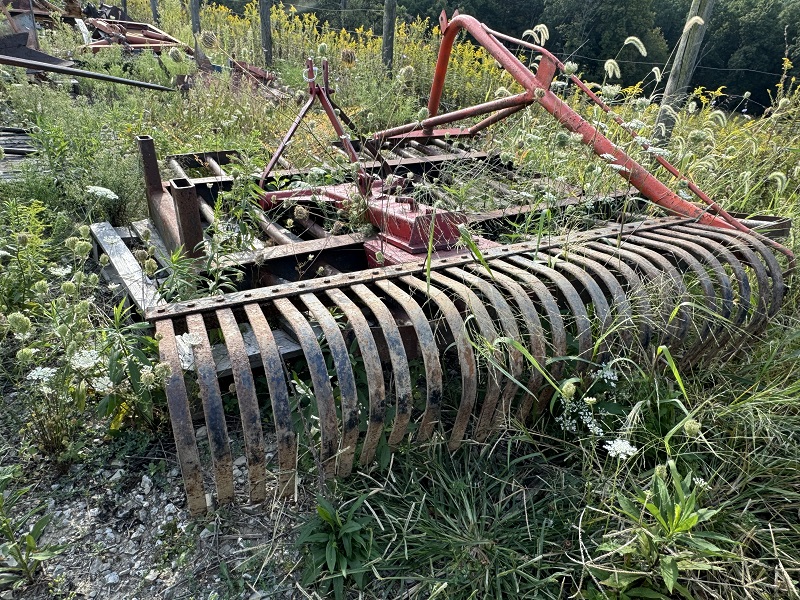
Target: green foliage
[663, 541]
[20, 551]
[340, 546]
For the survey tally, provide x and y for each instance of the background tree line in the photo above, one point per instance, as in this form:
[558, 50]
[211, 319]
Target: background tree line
[743, 48]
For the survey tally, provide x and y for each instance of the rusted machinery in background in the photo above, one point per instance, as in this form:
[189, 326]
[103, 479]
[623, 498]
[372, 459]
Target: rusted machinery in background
[424, 329]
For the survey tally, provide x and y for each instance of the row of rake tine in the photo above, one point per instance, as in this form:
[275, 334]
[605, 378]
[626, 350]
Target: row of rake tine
[694, 288]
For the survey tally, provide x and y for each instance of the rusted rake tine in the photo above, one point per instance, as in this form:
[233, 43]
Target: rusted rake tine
[633, 286]
[397, 356]
[218, 441]
[655, 266]
[488, 332]
[574, 265]
[739, 274]
[430, 357]
[345, 379]
[181, 418]
[466, 357]
[535, 334]
[687, 243]
[323, 393]
[582, 323]
[777, 287]
[279, 397]
[741, 252]
[255, 451]
[508, 326]
[373, 369]
[558, 334]
[721, 333]
[681, 257]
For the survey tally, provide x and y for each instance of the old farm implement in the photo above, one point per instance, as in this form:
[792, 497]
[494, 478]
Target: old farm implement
[423, 329]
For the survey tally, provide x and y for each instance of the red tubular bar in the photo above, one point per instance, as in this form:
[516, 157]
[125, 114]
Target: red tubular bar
[538, 86]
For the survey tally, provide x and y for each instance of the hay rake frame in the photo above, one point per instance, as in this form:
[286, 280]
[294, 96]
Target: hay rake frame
[500, 326]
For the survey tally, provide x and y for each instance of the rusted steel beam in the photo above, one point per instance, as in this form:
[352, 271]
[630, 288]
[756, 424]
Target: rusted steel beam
[40, 66]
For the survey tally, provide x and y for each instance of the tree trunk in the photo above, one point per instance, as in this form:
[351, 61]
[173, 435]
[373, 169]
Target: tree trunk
[264, 6]
[154, 10]
[194, 11]
[682, 69]
[387, 48]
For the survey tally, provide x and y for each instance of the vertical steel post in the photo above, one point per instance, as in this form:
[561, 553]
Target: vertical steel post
[187, 211]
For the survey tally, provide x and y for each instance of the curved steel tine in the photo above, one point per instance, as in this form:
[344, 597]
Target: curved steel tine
[535, 335]
[723, 331]
[680, 255]
[373, 369]
[508, 325]
[181, 418]
[633, 284]
[279, 397]
[466, 357]
[766, 268]
[687, 243]
[430, 357]
[583, 325]
[740, 275]
[488, 331]
[575, 263]
[219, 444]
[323, 392]
[345, 379]
[255, 450]
[558, 332]
[397, 356]
[655, 266]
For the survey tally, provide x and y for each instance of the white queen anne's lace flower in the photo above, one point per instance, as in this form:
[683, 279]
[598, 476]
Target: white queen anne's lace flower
[102, 192]
[102, 385]
[620, 448]
[84, 360]
[43, 374]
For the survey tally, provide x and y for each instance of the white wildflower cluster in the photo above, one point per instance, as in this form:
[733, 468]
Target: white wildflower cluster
[643, 141]
[608, 157]
[700, 483]
[85, 360]
[102, 192]
[42, 374]
[634, 124]
[608, 374]
[60, 271]
[575, 414]
[620, 448]
[658, 151]
[102, 385]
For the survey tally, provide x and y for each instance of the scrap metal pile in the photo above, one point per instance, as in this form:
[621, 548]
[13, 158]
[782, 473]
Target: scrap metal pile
[453, 337]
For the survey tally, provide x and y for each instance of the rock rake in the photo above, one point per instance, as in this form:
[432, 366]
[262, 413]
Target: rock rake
[451, 335]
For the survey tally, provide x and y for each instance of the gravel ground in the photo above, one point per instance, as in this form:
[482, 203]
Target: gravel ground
[120, 515]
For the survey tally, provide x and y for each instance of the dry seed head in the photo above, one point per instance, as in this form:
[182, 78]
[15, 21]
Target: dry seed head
[611, 67]
[175, 54]
[636, 43]
[692, 428]
[695, 20]
[208, 40]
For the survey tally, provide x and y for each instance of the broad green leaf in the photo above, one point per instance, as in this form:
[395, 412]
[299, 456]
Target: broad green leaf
[620, 581]
[669, 571]
[330, 556]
